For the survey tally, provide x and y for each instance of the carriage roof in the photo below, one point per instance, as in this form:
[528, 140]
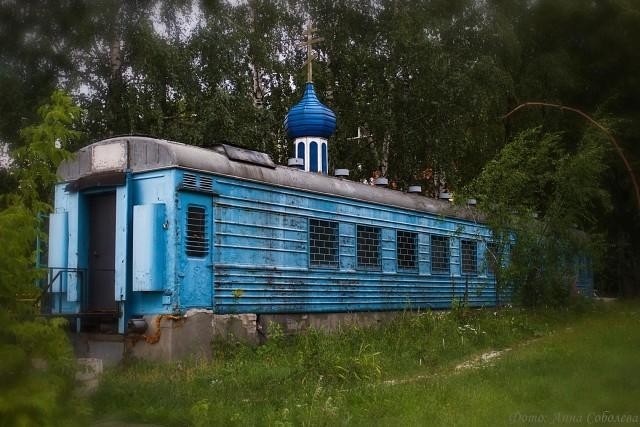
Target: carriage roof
[140, 154]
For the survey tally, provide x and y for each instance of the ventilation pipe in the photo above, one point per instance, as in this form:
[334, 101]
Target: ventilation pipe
[137, 325]
[381, 182]
[296, 162]
[341, 173]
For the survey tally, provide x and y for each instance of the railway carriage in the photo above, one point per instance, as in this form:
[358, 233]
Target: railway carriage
[162, 227]
[147, 227]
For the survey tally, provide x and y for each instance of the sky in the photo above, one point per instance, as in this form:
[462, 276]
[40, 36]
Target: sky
[4, 155]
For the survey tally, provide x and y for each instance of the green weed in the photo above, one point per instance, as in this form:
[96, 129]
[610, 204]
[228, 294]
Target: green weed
[320, 378]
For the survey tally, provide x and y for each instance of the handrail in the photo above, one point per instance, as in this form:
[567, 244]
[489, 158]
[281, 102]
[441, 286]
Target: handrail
[46, 288]
[59, 271]
[48, 305]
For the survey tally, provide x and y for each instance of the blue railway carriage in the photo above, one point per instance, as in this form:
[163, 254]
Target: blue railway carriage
[146, 226]
[146, 229]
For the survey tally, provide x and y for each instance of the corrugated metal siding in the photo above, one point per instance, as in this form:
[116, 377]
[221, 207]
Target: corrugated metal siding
[262, 264]
[270, 290]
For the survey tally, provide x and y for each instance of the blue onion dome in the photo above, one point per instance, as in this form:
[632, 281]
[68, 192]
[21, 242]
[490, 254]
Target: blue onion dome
[310, 117]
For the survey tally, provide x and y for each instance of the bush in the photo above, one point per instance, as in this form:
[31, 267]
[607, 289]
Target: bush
[36, 360]
[537, 194]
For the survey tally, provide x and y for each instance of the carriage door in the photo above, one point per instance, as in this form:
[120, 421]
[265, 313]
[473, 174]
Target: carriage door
[197, 248]
[102, 250]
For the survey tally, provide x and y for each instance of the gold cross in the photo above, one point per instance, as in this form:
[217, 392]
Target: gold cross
[309, 41]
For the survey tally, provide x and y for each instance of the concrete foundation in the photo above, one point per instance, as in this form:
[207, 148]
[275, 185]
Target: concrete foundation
[296, 323]
[170, 338]
[109, 348]
[243, 327]
[190, 335]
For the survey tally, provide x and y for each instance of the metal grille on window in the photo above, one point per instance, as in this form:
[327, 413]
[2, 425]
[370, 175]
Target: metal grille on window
[469, 256]
[368, 239]
[407, 250]
[491, 257]
[197, 243]
[440, 254]
[323, 236]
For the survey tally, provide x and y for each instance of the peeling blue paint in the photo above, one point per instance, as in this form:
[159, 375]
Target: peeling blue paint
[252, 253]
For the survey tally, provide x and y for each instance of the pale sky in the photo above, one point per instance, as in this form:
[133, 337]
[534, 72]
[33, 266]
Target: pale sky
[4, 155]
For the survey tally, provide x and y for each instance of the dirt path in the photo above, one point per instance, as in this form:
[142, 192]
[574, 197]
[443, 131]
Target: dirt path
[477, 361]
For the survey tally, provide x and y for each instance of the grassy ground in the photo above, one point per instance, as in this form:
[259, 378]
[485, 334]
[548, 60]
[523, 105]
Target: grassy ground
[569, 366]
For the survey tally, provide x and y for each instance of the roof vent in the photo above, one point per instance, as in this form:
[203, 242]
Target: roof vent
[381, 182]
[245, 155]
[341, 173]
[445, 195]
[206, 184]
[189, 181]
[296, 162]
[196, 183]
[414, 189]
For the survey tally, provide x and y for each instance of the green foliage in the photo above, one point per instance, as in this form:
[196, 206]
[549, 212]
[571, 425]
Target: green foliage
[594, 358]
[415, 76]
[271, 350]
[17, 274]
[429, 80]
[45, 146]
[34, 169]
[36, 369]
[317, 357]
[537, 194]
[317, 378]
[36, 361]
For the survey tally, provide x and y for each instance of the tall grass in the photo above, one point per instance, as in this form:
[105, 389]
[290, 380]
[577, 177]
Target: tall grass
[585, 373]
[314, 378]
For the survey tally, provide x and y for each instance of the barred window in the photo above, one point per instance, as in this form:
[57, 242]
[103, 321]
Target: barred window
[368, 242]
[492, 257]
[469, 250]
[197, 243]
[407, 250]
[323, 237]
[440, 254]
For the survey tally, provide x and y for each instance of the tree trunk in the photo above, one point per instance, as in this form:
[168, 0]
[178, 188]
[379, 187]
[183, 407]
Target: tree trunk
[115, 114]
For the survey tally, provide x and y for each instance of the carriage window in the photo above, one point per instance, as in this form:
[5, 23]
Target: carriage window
[439, 254]
[368, 242]
[197, 243]
[323, 237]
[469, 256]
[407, 250]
